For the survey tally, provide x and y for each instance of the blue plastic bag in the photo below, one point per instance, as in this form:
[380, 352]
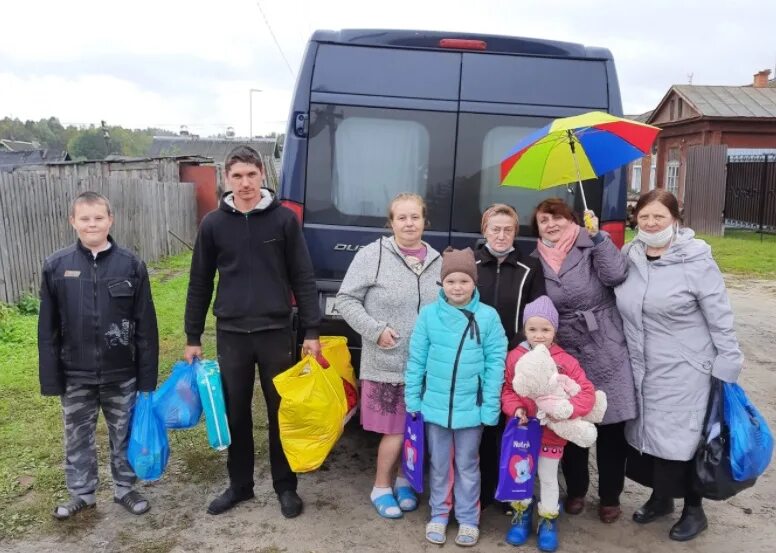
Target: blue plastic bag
[177, 400]
[519, 457]
[148, 450]
[212, 395]
[751, 441]
[413, 450]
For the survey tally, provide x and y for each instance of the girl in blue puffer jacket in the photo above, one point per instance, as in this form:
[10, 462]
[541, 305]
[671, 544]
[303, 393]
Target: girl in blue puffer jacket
[454, 376]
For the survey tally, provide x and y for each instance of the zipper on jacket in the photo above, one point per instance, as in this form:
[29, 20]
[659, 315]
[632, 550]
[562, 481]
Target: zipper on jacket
[455, 369]
[419, 295]
[96, 318]
[495, 287]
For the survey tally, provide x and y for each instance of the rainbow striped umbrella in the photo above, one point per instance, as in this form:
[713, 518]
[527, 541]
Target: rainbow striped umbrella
[575, 149]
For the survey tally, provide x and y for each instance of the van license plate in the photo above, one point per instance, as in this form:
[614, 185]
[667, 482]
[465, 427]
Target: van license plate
[330, 309]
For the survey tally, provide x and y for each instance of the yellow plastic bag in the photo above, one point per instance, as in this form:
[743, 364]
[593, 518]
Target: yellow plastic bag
[334, 350]
[312, 408]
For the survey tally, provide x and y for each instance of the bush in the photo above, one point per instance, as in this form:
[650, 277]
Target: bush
[29, 304]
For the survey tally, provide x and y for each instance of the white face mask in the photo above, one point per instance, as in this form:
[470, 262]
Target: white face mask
[657, 239]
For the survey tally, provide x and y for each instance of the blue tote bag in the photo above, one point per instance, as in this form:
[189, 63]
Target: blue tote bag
[413, 450]
[517, 464]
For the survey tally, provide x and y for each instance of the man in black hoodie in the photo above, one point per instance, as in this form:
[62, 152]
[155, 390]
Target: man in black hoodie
[258, 249]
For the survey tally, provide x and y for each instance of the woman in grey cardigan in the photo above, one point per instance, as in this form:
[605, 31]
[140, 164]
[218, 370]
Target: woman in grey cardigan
[679, 328]
[384, 288]
[581, 267]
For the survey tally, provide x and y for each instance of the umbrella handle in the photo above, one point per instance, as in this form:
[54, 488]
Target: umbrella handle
[588, 215]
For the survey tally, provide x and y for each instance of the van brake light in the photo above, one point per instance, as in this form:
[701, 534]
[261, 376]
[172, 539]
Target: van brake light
[297, 208]
[616, 230]
[463, 44]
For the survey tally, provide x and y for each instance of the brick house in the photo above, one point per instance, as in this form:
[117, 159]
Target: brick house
[736, 116]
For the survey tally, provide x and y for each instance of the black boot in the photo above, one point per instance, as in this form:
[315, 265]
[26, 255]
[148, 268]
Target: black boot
[692, 523]
[654, 508]
[229, 499]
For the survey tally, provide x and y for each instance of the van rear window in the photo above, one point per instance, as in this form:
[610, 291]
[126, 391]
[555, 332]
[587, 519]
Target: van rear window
[374, 160]
[534, 80]
[359, 158]
[387, 72]
[483, 141]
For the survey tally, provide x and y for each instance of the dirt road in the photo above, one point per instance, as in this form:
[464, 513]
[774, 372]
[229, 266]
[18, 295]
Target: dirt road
[339, 517]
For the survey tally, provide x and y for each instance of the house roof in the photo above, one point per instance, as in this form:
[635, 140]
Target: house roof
[6, 144]
[9, 160]
[641, 117]
[728, 101]
[214, 148]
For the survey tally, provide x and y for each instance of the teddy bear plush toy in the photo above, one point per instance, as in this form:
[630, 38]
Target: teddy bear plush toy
[537, 377]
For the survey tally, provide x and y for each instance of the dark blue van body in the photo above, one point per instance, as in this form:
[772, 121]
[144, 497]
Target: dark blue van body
[379, 112]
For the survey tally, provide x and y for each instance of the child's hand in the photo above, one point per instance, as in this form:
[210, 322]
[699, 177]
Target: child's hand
[521, 415]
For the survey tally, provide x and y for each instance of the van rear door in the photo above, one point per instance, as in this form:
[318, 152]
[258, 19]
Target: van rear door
[375, 130]
[503, 99]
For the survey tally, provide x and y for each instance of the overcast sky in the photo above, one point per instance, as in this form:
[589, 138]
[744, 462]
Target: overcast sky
[167, 63]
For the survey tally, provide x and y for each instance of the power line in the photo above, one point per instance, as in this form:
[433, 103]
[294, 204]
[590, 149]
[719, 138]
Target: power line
[274, 38]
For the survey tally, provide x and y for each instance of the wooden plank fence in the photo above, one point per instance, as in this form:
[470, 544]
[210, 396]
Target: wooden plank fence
[704, 189]
[34, 223]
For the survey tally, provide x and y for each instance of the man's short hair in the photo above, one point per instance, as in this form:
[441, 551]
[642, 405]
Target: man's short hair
[244, 154]
[90, 198]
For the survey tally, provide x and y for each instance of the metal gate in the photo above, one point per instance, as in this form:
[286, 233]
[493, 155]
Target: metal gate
[750, 192]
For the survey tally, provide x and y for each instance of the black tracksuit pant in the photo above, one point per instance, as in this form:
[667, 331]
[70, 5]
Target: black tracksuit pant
[238, 355]
[611, 454]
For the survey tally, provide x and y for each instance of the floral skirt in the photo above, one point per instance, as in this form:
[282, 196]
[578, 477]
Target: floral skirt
[382, 407]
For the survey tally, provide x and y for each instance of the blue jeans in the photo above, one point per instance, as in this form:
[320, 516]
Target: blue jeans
[455, 472]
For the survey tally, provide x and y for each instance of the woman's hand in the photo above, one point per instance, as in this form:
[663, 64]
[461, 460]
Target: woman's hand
[388, 338]
[591, 222]
[521, 416]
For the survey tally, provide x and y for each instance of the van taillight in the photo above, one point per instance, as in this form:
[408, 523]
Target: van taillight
[616, 230]
[463, 44]
[297, 208]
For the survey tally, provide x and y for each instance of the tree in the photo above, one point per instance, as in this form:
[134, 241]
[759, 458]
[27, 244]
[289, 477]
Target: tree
[89, 144]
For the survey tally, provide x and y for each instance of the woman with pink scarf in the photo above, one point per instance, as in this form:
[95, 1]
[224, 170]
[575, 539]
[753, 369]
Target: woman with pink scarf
[581, 267]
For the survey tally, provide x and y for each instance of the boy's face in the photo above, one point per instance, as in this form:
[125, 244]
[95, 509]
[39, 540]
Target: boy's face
[92, 223]
[459, 288]
[539, 331]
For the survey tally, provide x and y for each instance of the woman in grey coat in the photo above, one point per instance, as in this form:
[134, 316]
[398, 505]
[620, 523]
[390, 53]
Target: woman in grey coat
[581, 268]
[384, 288]
[679, 328]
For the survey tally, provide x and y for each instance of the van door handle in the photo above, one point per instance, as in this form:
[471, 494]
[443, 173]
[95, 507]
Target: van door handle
[300, 124]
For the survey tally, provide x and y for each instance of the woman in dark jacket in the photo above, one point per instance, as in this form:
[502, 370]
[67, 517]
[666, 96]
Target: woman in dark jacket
[581, 267]
[507, 281]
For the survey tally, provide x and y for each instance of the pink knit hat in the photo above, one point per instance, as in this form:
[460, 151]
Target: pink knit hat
[544, 308]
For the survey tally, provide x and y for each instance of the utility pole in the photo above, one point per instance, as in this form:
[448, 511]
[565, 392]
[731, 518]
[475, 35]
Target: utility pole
[106, 136]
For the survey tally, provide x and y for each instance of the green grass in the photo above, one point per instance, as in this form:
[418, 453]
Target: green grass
[31, 475]
[740, 252]
[31, 453]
